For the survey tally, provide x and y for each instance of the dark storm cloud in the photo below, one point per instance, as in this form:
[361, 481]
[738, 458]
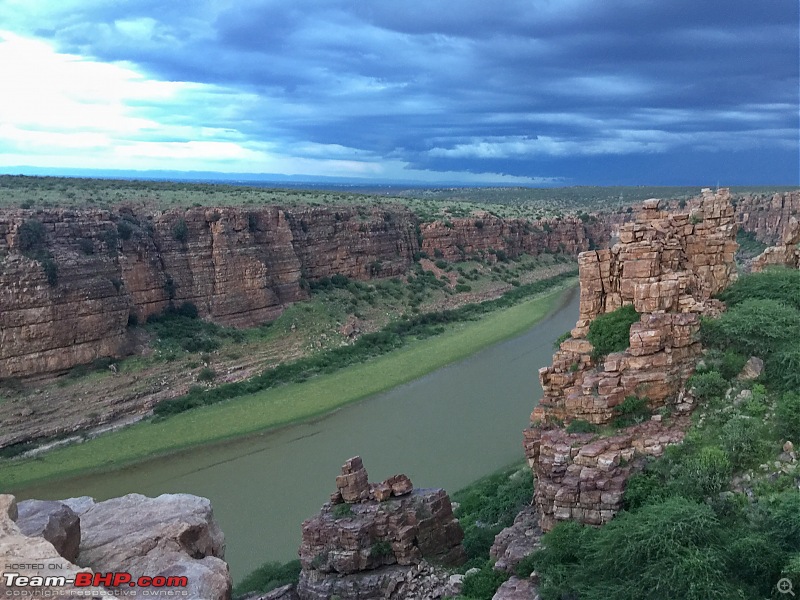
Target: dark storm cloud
[539, 88]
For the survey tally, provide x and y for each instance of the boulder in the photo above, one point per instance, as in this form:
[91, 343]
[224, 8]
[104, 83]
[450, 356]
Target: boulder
[752, 369]
[517, 541]
[173, 534]
[54, 521]
[517, 589]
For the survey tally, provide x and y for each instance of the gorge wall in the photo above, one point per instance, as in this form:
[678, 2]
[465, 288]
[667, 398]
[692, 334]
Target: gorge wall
[668, 266]
[71, 281]
[767, 217]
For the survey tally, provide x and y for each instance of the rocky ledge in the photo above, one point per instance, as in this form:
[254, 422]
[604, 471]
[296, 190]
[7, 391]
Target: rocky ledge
[378, 541]
[172, 535]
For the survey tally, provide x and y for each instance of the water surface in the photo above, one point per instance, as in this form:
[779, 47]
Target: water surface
[446, 429]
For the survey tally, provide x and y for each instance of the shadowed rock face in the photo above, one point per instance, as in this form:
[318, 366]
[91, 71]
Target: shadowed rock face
[786, 253]
[54, 521]
[360, 547]
[238, 267]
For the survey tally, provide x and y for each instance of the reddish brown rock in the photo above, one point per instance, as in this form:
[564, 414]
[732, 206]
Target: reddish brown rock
[353, 552]
[784, 254]
[768, 217]
[353, 483]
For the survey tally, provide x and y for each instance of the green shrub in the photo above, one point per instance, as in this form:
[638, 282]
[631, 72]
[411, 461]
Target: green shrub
[381, 549]
[708, 385]
[631, 410]
[740, 438]
[581, 426]
[442, 264]
[269, 576]
[340, 511]
[124, 230]
[483, 584]
[463, 287]
[731, 364]
[206, 374]
[610, 332]
[783, 367]
[31, 236]
[561, 339]
[705, 474]
[180, 231]
[773, 284]
[787, 416]
[754, 327]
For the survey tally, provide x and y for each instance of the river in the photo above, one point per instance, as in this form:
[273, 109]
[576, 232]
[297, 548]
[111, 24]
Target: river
[446, 429]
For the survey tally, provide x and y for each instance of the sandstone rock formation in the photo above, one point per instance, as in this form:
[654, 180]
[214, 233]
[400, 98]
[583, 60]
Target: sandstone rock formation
[365, 548]
[171, 535]
[460, 238]
[786, 253]
[34, 557]
[54, 521]
[581, 477]
[517, 541]
[768, 217]
[517, 589]
[668, 266]
[68, 293]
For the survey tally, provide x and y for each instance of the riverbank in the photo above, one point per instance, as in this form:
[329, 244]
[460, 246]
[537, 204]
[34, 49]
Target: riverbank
[280, 406]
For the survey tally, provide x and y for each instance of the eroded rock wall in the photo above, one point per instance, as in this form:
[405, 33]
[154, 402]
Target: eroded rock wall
[668, 266]
[767, 217]
[786, 253]
[460, 238]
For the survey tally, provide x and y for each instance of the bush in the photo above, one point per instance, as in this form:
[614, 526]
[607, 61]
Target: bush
[774, 284]
[180, 231]
[269, 576]
[561, 339]
[442, 264]
[581, 426]
[754, 327]
[463, 287]
[631, 410]
[31, 236]
[705, 474]
[206, 374]
[787, 416]
[731, 364]
[483, 584]
[124, 230]
[610, 332]
[708, 385]
[740, 438]
[340, 511]
[783, 367]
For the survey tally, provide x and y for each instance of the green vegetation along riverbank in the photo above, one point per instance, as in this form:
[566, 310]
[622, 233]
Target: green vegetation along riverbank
[282, 405]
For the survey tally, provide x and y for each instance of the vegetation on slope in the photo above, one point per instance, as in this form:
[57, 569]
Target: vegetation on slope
[610, 332]
[719, 515]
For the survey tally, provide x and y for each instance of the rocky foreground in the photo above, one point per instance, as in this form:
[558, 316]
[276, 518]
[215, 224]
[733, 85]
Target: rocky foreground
[172, 535]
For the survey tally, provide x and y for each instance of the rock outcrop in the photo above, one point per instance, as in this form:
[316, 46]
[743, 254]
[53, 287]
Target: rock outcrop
[784, 254]
[172, 535]
[767, 218]
[71, 281]
[34, 557]
[668, 266]
[461, 238]
[374, 540]
[517, 541]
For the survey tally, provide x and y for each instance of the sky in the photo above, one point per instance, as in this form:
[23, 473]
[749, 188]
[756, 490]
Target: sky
[517, 92]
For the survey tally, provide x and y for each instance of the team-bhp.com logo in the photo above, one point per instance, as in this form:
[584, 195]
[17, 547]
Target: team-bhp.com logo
[152, 586]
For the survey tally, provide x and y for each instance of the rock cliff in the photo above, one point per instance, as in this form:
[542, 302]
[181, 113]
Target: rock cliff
[668, 266]
[786, 253]
[374, 540]
[172, 535]
[767, 217]
[71, 281]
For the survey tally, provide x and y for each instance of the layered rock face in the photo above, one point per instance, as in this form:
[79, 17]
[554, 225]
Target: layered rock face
[784, 254]
[582, 478]
[172, 535]
[67, 297]
[460, 238]
[668, 266]
[238, 267]
[372, 539]
[768, 218]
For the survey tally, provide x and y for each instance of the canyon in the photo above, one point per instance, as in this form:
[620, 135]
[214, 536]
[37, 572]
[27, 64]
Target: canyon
[69, 293]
